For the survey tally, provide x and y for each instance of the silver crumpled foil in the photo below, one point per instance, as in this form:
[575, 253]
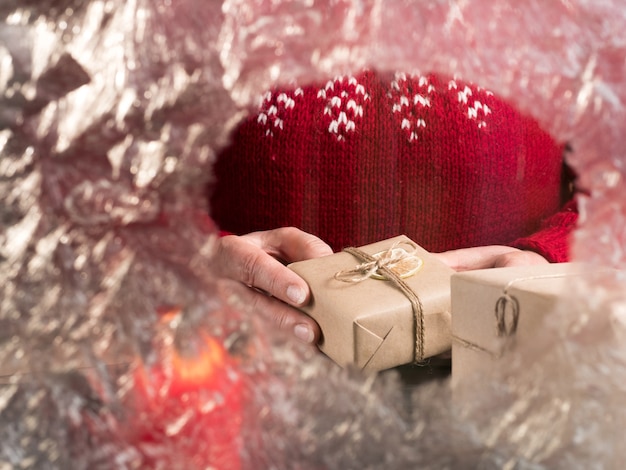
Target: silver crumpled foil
[111, 113]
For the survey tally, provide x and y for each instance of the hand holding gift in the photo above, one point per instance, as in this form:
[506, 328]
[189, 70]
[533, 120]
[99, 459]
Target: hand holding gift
[490, 256]
[255, 260]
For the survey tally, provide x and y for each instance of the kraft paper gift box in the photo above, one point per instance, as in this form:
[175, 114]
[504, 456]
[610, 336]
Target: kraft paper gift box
[373, 323]
[496, 309]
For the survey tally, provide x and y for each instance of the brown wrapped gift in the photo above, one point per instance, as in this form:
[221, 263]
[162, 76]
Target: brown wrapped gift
[377, 323]
[495, 309]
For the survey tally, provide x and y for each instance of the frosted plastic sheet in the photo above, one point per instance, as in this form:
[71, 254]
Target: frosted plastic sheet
[110, 116]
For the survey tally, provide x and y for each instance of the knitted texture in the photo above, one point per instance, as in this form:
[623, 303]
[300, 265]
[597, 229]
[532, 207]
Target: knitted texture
[364, 158]
[552, 239]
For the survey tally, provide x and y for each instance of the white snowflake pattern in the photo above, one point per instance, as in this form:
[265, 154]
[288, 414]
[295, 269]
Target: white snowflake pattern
[274, 107]
[344, 98]
[476, 110]
[410, 96]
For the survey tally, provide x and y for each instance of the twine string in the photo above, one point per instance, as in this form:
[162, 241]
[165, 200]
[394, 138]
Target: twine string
[475, 347]
[371, 265]
[503, 326]
[382, 266]
[506, 327]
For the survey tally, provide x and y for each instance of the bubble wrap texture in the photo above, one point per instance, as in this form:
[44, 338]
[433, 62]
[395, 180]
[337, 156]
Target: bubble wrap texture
[111, 112]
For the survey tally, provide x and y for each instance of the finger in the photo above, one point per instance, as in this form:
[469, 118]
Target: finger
[291, 244]
[239, 259]
[465, 259]
[286, 318]
[519, 258]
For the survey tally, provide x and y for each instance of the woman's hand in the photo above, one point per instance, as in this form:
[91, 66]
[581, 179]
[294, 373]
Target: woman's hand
[492, 256]
[258, 260]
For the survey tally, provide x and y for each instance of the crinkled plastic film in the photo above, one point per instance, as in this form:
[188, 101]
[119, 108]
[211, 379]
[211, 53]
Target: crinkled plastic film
[111, 115]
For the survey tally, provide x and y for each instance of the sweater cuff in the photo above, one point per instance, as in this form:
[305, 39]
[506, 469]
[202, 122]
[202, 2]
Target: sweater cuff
[552, 240]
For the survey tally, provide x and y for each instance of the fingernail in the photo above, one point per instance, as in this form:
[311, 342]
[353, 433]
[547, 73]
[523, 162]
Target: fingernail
[304, 333]
[296, 294]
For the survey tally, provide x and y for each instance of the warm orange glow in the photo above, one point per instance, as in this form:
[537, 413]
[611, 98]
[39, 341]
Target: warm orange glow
[168, 314]
[179, 386]
[198, 370]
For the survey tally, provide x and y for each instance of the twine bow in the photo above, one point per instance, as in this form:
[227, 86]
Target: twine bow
[382, 265]
[372, 265]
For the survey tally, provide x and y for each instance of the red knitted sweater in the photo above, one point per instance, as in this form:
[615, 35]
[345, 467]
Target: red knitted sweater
[360, 159]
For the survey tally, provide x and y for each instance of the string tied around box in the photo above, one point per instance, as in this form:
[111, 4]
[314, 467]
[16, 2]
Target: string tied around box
[507, 315]
[384, 266]
[506, 325]
[507, 309]
[507, 318]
